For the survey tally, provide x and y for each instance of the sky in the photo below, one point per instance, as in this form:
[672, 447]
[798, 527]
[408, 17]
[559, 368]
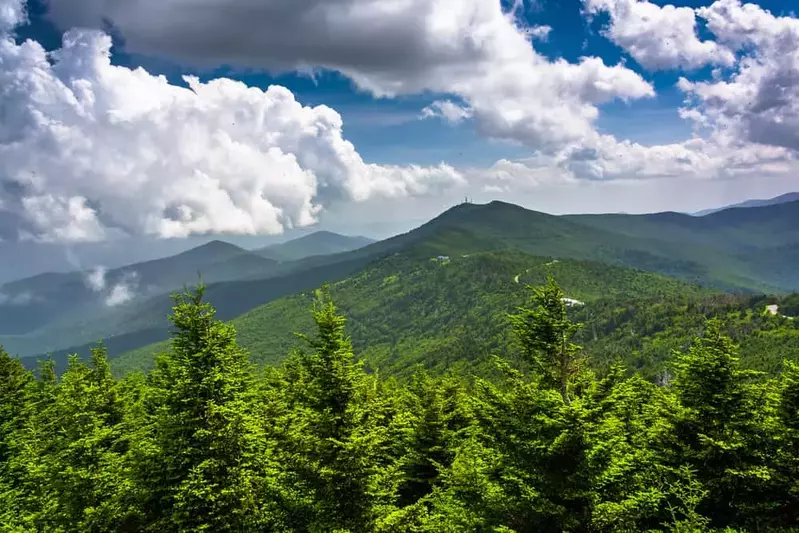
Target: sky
[173, 118]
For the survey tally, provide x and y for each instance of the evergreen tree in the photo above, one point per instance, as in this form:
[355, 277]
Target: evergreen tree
[15, 383]
[435, 408]
[787, 456]
[28, 502]
[544, 332]
[715, 433]
[86, 466]
[339, 440]
[197, 460]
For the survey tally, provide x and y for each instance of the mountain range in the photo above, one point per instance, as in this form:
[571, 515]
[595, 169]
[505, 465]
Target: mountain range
[781, 199]
[489, 251]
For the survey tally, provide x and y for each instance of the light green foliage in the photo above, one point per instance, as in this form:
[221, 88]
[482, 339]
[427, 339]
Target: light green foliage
[198, 457]
[323, 443]
[545, 334]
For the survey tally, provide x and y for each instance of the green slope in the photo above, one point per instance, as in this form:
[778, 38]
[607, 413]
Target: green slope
[714, 251]
[65, 296]
[735, 229]
[142, 322]
[450, 315]
[404, 311]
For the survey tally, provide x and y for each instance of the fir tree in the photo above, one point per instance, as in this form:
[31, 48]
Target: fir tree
[544, 332]
[197, 460]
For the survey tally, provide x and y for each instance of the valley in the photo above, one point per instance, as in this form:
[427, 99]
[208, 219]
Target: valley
[409, 306]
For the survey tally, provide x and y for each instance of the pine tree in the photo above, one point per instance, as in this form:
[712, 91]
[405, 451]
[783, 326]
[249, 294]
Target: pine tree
[197, 461]
[339, 436]
[715, 432]
[544, 332]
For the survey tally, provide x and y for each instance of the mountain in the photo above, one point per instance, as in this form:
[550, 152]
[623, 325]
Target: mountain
[783, 198]
[450, 314]
[403, 311]
[317, 243]
[32, 303]
[742, 250]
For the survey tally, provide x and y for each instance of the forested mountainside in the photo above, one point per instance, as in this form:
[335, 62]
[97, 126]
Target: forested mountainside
[449, 314]
[464, 391]
[751, 250]
[205, 442]
[781, 199]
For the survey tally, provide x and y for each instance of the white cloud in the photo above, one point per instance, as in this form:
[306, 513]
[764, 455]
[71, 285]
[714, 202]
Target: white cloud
[116, 293]
[539, 32]
[755, 101]
[89, 149]
[759, 103]
[123, 291]
[12, 13]
[220, 156]
[606, 159]
[659, 37]
[448, 110]
[95, 278]
[22, 298]
[470, 49]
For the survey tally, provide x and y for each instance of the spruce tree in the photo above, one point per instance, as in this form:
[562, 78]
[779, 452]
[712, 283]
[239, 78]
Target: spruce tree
[29, 502]
[87, 475]
[339, 437]
[715, 432]
[544, 332]
[787, 457]
[15, 382]
[198, 457]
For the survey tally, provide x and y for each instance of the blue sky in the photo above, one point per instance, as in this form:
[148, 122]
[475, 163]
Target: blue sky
[388, 131]
[587, 119]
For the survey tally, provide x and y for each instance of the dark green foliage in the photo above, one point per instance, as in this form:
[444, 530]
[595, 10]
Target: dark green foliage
[323, 443]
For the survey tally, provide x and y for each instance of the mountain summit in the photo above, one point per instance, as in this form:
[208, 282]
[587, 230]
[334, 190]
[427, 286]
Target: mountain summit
[782, 199]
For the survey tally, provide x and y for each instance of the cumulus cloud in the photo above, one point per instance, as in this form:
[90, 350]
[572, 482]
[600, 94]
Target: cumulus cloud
[239, 159]
[755, 100]
[659, 37]
[606, 159]
[12, 13]
[89, 150]
[759, 102]
[471, 48]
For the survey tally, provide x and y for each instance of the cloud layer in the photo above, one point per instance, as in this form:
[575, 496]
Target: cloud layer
[659, 37]
[88, 149]
[469, 48]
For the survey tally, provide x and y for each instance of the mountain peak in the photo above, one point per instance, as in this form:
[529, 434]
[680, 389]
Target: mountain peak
[781, 199]
[320, 242]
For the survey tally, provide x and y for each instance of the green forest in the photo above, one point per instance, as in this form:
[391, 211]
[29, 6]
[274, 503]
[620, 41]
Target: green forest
[550, 438]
